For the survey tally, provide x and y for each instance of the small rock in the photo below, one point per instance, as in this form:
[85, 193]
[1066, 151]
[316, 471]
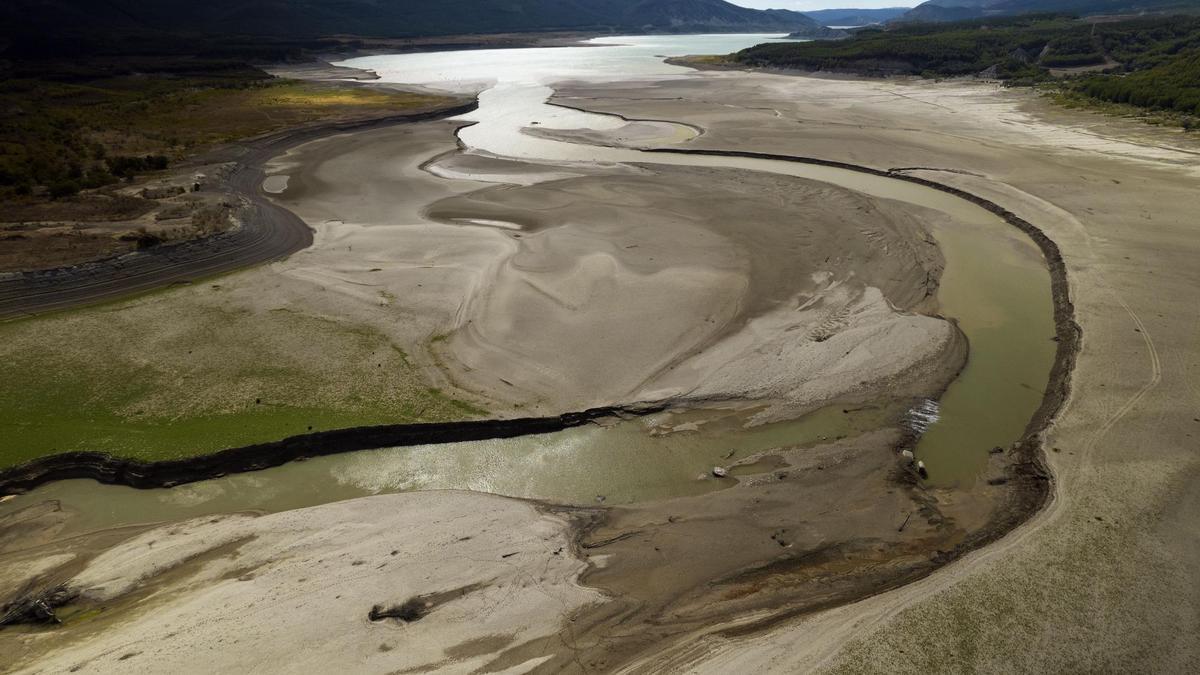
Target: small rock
[719, 472]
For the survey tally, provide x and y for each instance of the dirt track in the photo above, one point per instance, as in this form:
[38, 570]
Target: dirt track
[269, 232]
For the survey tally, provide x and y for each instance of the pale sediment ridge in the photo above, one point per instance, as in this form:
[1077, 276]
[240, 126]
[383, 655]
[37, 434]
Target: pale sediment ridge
[386, 583]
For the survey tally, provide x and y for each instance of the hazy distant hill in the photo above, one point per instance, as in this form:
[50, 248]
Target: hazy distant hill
[957, 10]
[21, 19]
[855, 17]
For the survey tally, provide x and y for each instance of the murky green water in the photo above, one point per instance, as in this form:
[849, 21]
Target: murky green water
[665, 455]
[998, 289]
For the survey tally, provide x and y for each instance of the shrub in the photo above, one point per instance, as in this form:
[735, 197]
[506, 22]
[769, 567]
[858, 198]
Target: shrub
[63, 188]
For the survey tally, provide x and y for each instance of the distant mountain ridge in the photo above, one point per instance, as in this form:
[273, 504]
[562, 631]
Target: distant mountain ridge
[855, 17]
[958, 10]
[390, 18]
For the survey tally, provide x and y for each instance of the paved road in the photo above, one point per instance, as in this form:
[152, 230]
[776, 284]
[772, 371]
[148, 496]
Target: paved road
[269, 232]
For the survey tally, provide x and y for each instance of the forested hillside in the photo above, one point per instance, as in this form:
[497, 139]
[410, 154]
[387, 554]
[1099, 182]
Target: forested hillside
[1151, 62]
[959, 10]
[45, 25]
[855, 17]
[1169, 82]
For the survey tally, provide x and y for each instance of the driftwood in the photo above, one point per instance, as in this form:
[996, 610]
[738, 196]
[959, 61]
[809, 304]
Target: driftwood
[413, 609]
[37, 607]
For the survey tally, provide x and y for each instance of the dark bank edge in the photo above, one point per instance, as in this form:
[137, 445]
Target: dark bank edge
[106, 468]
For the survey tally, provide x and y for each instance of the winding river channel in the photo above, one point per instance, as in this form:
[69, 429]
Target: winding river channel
[996, 285]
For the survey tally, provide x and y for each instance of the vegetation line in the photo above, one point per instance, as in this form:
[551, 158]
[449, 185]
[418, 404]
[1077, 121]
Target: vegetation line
[110, 469]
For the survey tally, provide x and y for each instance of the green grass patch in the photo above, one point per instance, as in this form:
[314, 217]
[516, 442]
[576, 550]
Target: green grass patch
[175, 375]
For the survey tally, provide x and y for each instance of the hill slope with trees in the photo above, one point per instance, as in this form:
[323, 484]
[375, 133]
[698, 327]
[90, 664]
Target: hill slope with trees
[959, 10]
[58, 21]
[1151, 62]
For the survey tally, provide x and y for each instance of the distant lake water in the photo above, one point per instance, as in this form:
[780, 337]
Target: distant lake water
[618, 57]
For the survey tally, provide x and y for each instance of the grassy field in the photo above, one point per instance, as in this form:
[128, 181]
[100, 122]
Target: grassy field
[185, 372]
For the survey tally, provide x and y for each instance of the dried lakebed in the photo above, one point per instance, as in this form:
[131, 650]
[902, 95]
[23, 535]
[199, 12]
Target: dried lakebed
[825, 472]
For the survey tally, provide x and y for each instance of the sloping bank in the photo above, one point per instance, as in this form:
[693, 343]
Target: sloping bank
[1067, 332]
[269, 232]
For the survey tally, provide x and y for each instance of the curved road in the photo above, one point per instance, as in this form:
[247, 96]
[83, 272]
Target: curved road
[269, 232]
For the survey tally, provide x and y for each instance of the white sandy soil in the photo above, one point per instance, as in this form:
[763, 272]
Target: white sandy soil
[291, 592]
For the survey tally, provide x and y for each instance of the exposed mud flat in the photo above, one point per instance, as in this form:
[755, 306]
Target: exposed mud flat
[754, 245]
[514, 287]
[803, 530]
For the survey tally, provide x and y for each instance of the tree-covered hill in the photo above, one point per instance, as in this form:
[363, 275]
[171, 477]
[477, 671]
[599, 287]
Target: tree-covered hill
[855, 17]
[959, 10]
[54, 23]
[1151, 62]
[965, 48]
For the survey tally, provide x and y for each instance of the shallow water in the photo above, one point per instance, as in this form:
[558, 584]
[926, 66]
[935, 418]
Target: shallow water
[635, 460]
[995, 285]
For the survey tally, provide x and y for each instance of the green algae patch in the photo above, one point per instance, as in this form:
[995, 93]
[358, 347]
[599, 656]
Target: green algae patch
[176, 375]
